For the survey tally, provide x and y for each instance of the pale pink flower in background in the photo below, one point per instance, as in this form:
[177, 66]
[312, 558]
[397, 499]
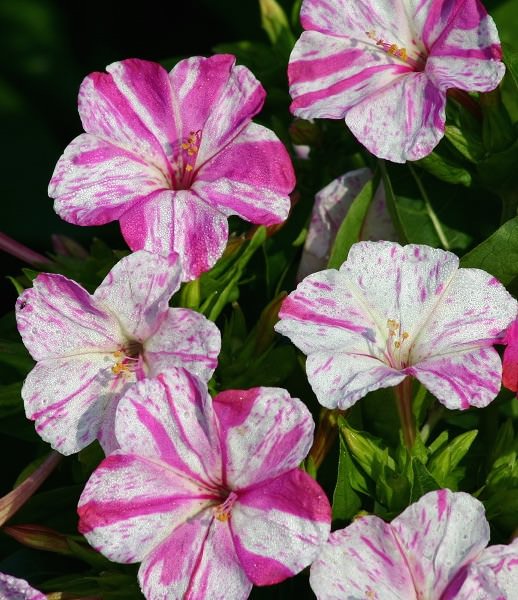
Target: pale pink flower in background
[171, 156]
[435, 549]
[331, 206]
[207, 494]
[90, 348]
[12, 588]
[391, 312]
[385, 66]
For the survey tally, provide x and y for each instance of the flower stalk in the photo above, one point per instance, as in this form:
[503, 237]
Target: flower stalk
[404, 406]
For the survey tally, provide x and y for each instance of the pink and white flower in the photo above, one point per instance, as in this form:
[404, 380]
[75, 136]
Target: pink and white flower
[90, 348]
[332, 204]
[391, 312]
[206, 494]
[12, 588]
[436, 549]
[171, 156]
[510, 362]
[385, 66]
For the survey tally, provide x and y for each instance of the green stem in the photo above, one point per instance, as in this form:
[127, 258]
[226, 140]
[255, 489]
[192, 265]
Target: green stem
[404, 406]
[325, 436]
[437, 225]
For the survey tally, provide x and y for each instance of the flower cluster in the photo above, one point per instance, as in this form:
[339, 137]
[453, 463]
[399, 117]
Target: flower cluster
[208, 493]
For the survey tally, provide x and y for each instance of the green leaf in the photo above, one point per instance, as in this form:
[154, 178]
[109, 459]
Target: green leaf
[346, 502]
[511, 61]
[424, 481]
[442, 464]
[367, 450]
[498, 254]
[350, 229]
[445, 169]
[469, 146]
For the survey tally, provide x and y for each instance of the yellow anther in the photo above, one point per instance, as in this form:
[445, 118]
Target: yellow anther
[405, 335]
[403, 54]
[119, 368]
[185, 146]
[188, 168]
[118, 353]
[224, 517]
[393, 49]
[397, 344]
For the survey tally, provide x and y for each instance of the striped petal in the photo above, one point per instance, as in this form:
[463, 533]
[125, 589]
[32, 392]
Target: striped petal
[458, 28]
[495, 569]
[362, 561]
[353, 19]
[462, 379]
[197, 560]
[326, 312]
[403, 121]
[12, 588]
[132, 107]
[170, 419]
[185, 339]
[57, 317]
[130, 504]
[68, 398]
[339, 379]
[137, 290]
[214, 96]
[178, 222]
[95, 182]
[251, 177]
[472, 310]
[440, 534]
[329, 75]
[279, 527]
[263, 433]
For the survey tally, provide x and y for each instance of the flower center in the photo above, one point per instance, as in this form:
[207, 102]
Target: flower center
[184, 160]
[223, 511]
[127, 358]
[397, 345]
[415, 59]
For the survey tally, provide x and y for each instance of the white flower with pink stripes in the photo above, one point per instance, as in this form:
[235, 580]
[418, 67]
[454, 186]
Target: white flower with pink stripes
[207, 494]
[90, 348]
[171, 155]
[385, 66]
[394, 311]
[435, 550]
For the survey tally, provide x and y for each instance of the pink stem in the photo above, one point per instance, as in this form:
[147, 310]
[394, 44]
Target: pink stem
[14, 248]
[14, 500]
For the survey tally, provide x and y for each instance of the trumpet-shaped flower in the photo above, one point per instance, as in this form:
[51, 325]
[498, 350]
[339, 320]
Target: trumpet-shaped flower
[331, 206]
[90, 348]
[385, 66]
[391, 312]
[171, 156]
[206, 494]
[12, 588]
[436, 549]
